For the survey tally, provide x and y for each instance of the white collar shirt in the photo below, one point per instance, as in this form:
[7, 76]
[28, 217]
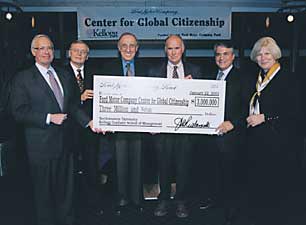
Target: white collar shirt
[180, 70]
[43, 71]
[75, 70]
[225, 72]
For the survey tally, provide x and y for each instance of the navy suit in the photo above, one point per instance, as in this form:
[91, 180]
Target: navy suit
[48, 145]
[174, 146]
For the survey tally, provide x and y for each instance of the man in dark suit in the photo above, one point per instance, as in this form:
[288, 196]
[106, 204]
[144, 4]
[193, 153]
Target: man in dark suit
[86, 143]
[177, 146]
[127, 145]
[221, 150]
[44, 102]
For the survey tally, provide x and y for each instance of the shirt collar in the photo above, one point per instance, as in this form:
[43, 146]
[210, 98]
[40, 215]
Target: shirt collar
[124, 62]
[226, 71]
[43, 70]
[172, 65]
[75, 69]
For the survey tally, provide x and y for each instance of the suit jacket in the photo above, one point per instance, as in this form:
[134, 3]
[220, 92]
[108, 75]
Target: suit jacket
[235, 111]
[280, 103]
[189, 68]
[32, 99]
[88, 84]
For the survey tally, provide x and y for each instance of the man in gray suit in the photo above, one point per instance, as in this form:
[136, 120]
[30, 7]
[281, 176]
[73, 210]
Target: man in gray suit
[44, 102]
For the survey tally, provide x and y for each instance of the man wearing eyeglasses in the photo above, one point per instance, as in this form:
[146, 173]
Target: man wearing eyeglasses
[86, 143]
[220, 152]
[44, 102]
[127, 145]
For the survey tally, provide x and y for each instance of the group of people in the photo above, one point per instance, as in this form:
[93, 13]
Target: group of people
[54, 107]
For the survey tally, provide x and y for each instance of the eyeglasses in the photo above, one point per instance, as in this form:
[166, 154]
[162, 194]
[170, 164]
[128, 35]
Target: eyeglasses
[79, 51]
[44, 48]
[126, 46]
[219, 54]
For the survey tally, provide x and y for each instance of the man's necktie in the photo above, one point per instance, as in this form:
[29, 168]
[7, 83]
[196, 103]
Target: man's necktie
[128, 70]
[174, 73]
[80, 80]
[220, 75]
[56, 89]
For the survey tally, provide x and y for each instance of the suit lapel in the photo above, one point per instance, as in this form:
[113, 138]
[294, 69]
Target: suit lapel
[229, 76]
[186, 69]
[164, 69]
[65, 84]
[41, 82]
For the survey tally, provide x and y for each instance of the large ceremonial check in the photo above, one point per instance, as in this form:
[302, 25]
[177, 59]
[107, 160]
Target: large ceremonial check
[141, 104]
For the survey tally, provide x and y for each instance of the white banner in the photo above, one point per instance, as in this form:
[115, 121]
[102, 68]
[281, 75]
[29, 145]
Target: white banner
[154, 23]
[141, 104]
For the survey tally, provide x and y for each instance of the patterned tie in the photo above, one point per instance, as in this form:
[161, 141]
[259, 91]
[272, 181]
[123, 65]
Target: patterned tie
[80, 80]
[56, 89]
[128, 70]
[220, 75]
[174, 73]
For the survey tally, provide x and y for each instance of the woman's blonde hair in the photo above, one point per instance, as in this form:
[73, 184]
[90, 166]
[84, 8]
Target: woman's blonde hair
[270, 44]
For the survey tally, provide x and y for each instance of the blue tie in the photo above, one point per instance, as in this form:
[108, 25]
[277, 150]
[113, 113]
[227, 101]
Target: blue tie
[220, 75]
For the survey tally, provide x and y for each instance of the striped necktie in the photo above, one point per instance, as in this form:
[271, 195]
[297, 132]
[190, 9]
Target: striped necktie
[220, 75]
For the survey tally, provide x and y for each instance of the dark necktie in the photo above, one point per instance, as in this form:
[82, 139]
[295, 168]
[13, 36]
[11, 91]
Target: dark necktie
[80, 80]
[174, 73]
[128, 70]
[220, 75]
[56, 89]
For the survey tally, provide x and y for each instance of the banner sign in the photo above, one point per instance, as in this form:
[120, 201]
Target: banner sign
[160, 105]
[154, 23]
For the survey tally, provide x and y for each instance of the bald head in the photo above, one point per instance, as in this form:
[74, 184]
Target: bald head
[174, 48]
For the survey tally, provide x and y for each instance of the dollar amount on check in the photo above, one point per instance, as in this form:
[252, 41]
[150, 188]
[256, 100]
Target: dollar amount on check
[141, 104]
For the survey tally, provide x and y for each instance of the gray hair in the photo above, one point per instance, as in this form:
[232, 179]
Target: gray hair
[270, 44]
[36, 37]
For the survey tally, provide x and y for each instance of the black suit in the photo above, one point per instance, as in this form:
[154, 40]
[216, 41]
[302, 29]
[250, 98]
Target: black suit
[272, 144]
[128, 148]
[86, 143]
[177, 146]
[220, 152]
[48, 145]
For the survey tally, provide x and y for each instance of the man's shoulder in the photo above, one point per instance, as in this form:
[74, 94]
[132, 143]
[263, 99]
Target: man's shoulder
[25, 73]
[61, 69]
[158, 69]
[193, 69]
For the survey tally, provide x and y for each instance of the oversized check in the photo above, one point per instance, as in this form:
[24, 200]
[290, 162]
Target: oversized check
[141, 104]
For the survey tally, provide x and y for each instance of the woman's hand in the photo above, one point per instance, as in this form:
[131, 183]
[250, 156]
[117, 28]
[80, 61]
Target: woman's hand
[254, 120]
